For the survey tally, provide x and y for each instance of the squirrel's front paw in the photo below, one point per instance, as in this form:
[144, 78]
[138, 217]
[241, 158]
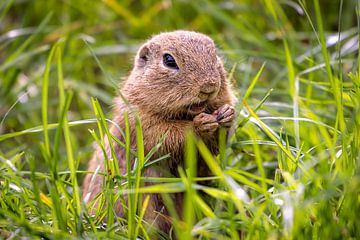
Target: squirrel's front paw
[205, 123]
[225, 115]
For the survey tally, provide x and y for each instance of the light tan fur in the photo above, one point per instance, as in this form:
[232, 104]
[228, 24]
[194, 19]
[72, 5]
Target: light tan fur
[196, 97]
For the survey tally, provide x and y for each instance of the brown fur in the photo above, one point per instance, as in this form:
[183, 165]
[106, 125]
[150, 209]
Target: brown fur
[165, 100]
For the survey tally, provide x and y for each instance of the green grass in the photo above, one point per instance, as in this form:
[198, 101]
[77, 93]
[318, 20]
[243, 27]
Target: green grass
[290, 171]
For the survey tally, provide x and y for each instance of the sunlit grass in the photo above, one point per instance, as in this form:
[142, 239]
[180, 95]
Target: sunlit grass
[289, 171]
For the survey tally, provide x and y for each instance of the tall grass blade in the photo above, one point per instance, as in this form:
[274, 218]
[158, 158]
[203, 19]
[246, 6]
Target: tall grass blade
[131, 200]
[190, 166]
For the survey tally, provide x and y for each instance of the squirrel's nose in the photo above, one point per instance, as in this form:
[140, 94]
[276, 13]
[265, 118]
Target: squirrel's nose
[207, 90]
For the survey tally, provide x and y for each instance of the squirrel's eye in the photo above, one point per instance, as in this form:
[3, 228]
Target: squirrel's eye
[169, 61]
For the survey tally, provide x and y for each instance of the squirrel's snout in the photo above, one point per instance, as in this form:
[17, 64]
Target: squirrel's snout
[208, 90]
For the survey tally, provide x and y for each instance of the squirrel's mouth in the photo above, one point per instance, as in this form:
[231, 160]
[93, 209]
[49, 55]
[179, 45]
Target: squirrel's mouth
[197, 108]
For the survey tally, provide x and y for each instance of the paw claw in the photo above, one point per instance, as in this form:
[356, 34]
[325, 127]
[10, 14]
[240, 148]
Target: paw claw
[226, 115]
[205, 123]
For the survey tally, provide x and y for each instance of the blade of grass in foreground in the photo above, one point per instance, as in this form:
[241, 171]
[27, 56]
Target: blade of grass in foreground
[59, 219]
[114, 166]
[293, 90]
[44, 105]
[111, 163]
[60, 193]
[253, 83]
[336, 85]
[190, 166]
[131, 208]
[141, 216]
[40, 128]
[51, 159]
[72, 164]
[139, 167]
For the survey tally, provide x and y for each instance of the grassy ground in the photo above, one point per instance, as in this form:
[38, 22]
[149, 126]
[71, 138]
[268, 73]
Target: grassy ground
[291, 171]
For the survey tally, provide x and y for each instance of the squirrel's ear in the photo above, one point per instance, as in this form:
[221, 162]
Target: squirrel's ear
[143, 56]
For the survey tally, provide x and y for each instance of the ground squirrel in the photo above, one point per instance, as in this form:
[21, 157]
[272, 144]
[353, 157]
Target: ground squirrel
[178, 83]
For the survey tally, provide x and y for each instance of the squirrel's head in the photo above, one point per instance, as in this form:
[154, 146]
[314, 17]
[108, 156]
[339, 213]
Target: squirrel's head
[176, 74]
